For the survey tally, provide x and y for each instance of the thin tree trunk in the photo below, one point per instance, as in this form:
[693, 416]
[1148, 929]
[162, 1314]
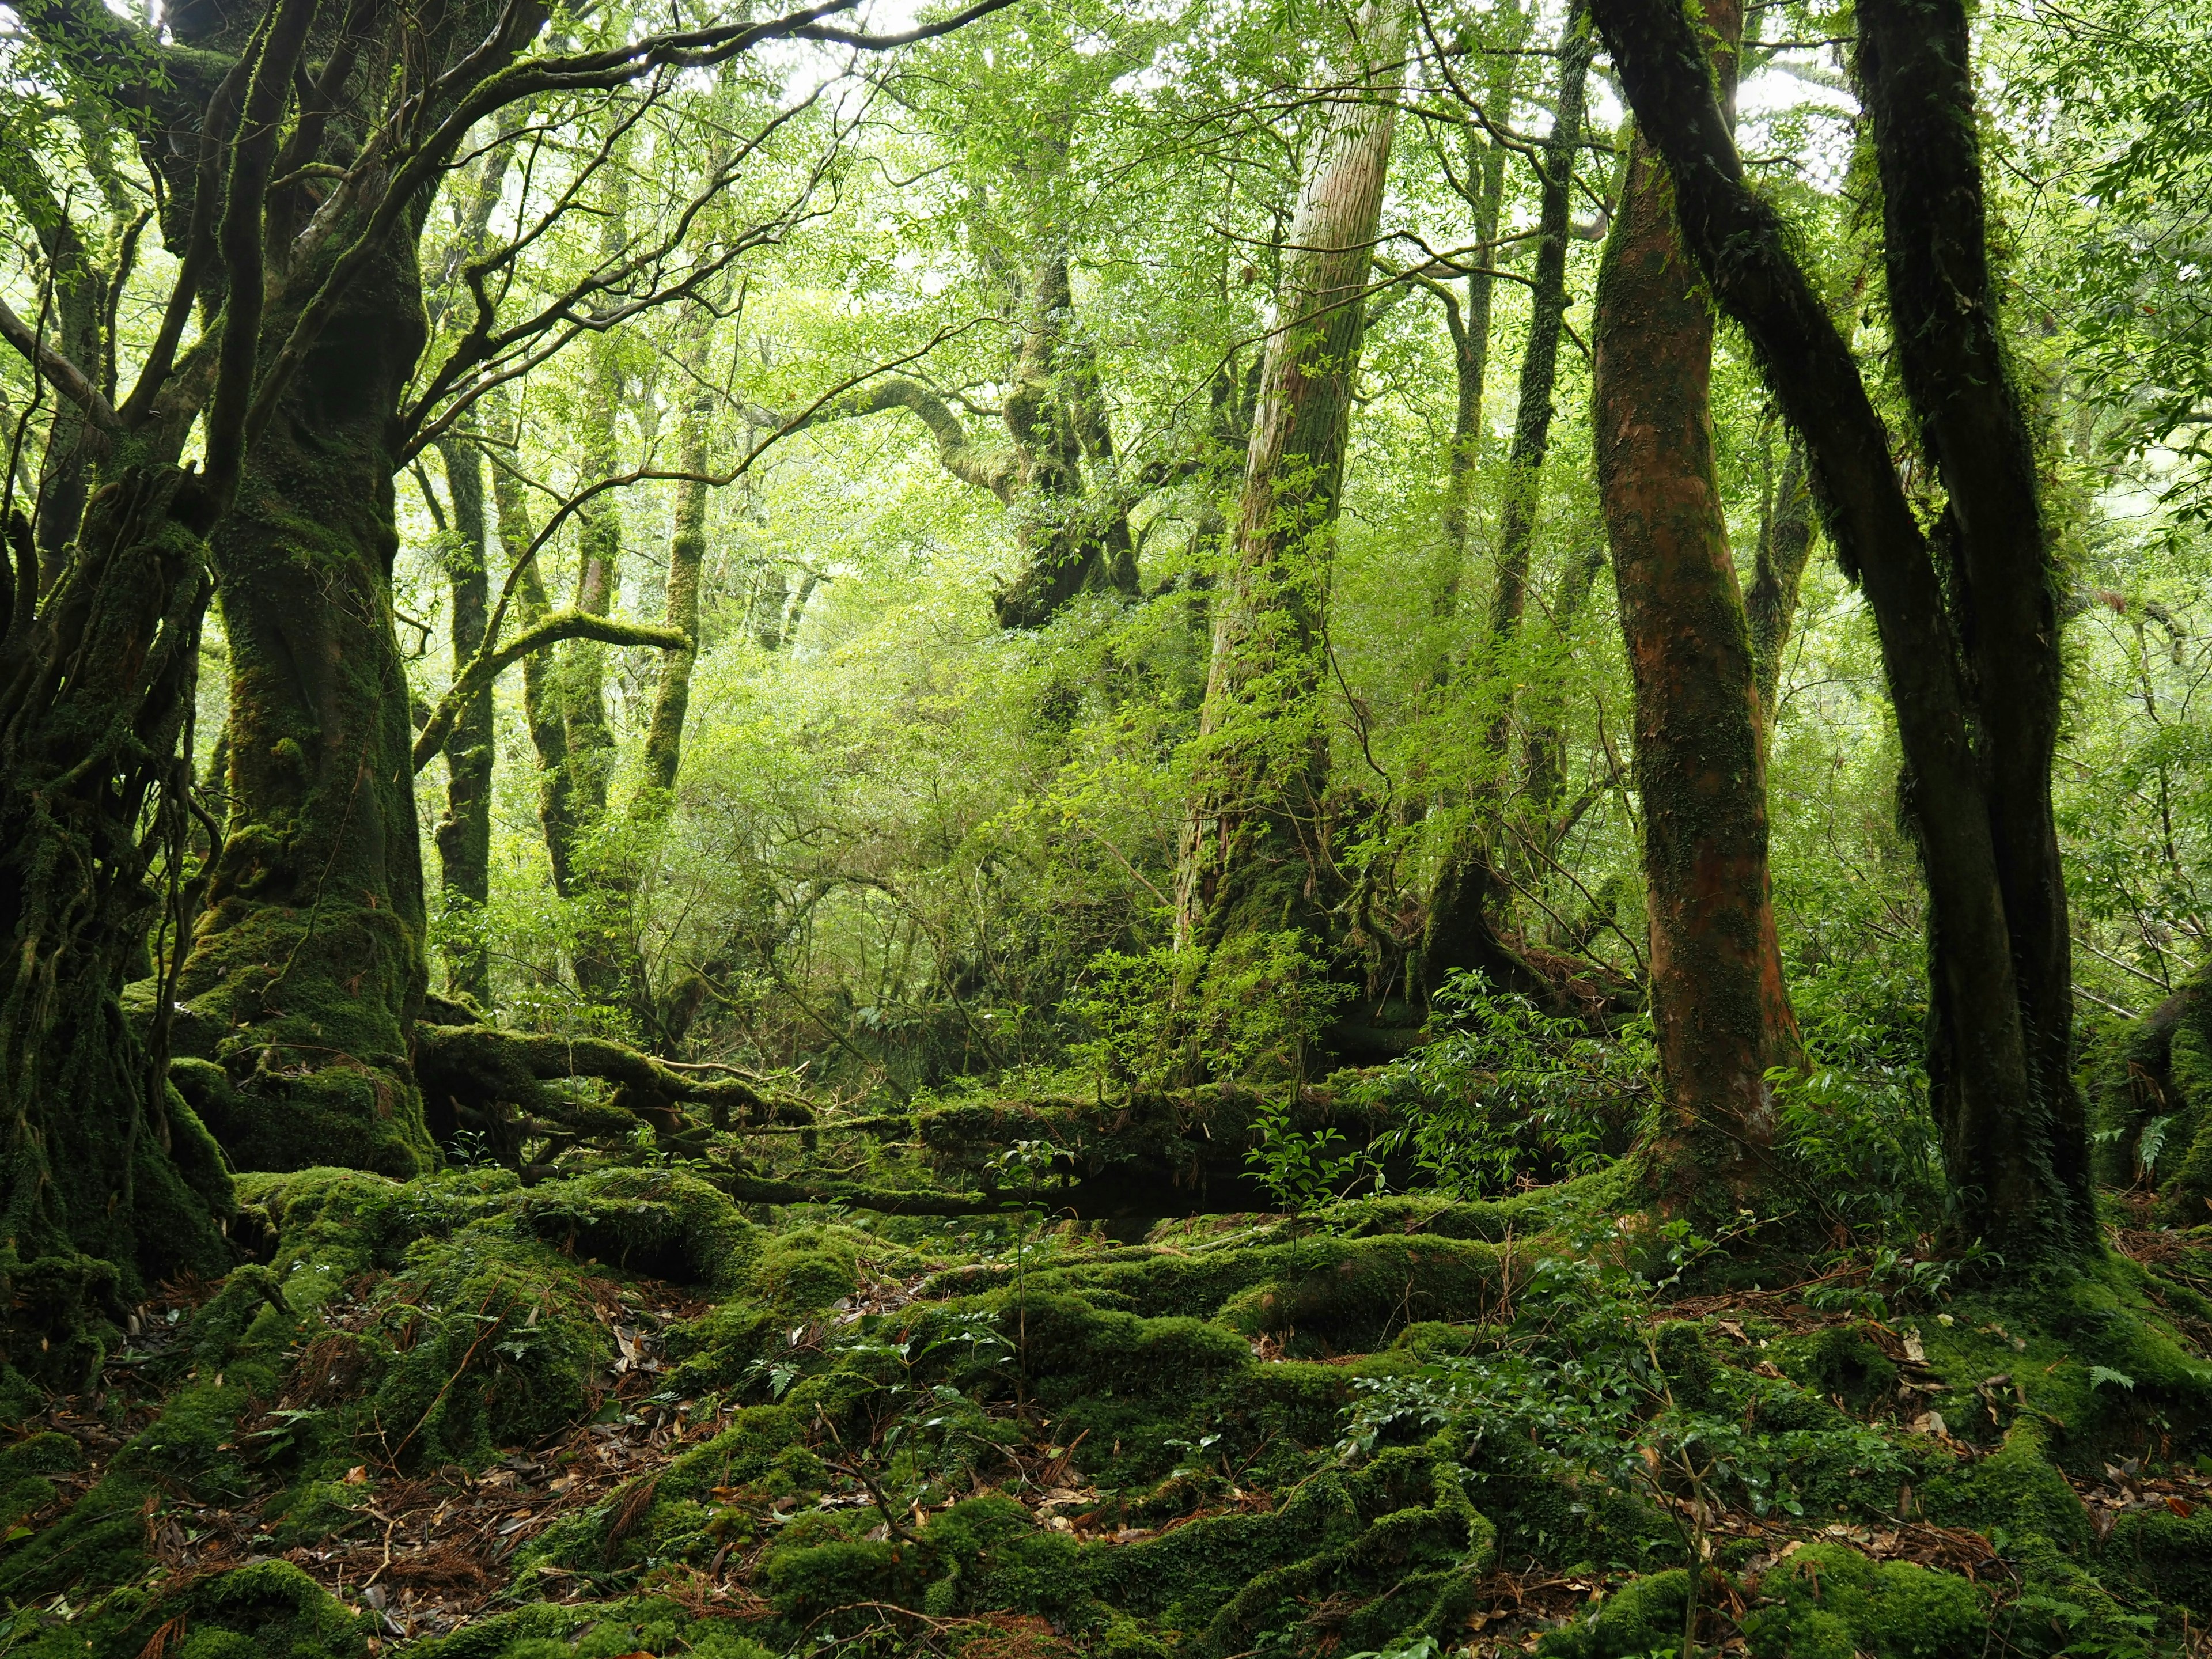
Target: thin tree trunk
[1977, 742]
[1250, 860]
[1785, 544]
[463, 834]
[1486, 165]
[1718, 1003]
[1459, 933]
[541, 705]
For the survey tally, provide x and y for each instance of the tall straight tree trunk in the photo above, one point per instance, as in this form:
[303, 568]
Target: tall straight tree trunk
[686, 553]
[1486, 169]
[463, 834]
[1459, 933]
[1971, 645]
[1250, 858]
[1718, 1003]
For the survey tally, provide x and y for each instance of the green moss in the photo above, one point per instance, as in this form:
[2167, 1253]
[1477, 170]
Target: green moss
[661, 1223]
[1642, 1616]
[500, 1348]
[1891, 1609]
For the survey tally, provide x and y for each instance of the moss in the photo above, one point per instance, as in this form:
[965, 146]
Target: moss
[662, 1223]
[500, 1348]
[1891, 1609]
[1843, 1362]
[268, 1610]
[2017, 1488]
[2167, 1554]
[1400, 1537]
[1644, 1616]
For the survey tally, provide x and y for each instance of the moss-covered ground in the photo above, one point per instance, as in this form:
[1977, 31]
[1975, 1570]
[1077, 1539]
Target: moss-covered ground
[615, 1413]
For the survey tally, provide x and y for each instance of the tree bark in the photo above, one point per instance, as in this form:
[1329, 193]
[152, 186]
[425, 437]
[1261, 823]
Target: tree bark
[1719, 1006]
[1973, 671]
[310, 954]
[541, 705]
[1250, 858]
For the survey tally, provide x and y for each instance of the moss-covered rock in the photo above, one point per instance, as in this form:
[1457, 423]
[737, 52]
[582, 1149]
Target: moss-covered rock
[1834, 1603]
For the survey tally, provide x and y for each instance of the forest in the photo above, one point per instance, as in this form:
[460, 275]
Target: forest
[1105, 829]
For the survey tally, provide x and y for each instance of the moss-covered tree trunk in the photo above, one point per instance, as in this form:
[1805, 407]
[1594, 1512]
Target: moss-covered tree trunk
[1719, 1006]
[308, 961]
[463, 834]
[1459, 933]
[1251, 857]
[108, 1183]
[1968, 619]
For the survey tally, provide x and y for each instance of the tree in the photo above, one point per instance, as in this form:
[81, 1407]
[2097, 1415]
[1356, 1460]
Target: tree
[1967, 615]
[1460, 932]
[1719, 1004]
[1251, 859]
[297, 241]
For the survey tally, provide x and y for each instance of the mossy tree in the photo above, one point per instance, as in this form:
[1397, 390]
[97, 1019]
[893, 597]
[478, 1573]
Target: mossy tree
[1719, 1006]
[1252, 859]
[296, 173]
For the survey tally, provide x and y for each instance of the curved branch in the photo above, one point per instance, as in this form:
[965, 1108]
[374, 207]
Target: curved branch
[955, 452]
[65, 376]
[490, 663]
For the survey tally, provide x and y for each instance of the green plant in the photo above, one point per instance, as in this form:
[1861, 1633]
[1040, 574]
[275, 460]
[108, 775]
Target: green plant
[1505, 1093]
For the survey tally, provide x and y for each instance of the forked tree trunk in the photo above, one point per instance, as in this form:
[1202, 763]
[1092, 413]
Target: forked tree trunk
[1971, 649]
[1719, 1006]
[1250, 858]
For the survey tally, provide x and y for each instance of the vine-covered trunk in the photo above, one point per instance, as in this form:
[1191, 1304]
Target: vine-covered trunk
[1459, 933]
[1719, 1007]
[308, 961]
[1970, 644]
[463, 834]
[108, 1183]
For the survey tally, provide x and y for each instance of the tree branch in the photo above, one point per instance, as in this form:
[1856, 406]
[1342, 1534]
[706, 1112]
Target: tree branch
[63, 375]
[490, 663]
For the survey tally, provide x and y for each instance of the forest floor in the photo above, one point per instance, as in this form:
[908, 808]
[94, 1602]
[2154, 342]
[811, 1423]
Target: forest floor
[615, 1413]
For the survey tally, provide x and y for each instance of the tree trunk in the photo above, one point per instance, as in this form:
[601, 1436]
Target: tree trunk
[1785, 541]
[1251, 859]
[1718, 1004]
[1459, 933]
[463, 834]
[309, 957]
[1974, 687]
[1485, 168]
[108, 1183]
[1914, 67]
[541, 704]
